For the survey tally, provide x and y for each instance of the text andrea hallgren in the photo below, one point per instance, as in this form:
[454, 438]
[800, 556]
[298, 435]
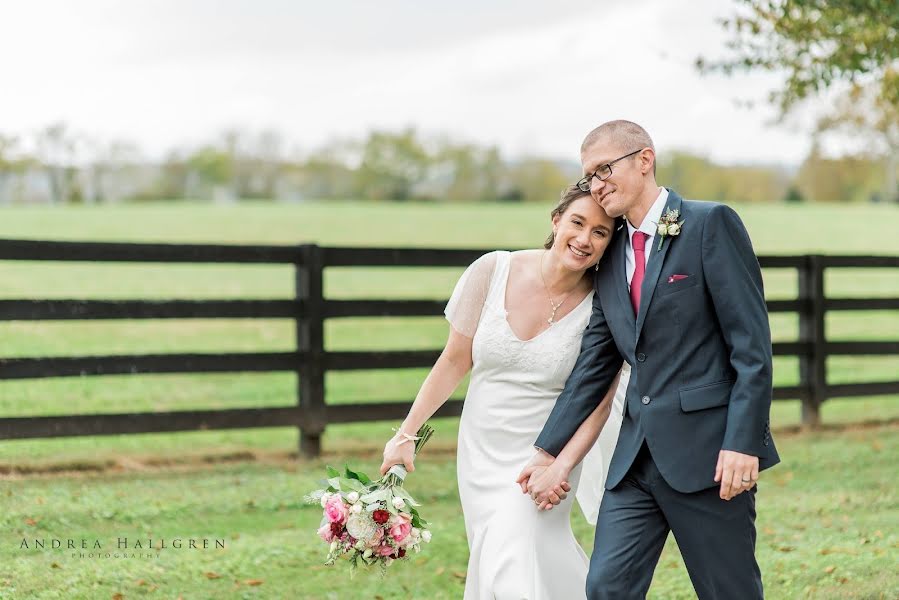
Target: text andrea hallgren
[122, 543]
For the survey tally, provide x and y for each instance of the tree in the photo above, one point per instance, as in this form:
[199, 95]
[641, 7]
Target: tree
[7, 165]
[392, 163]
[57, 150]
[844, 179]
[864, 113]
[537, 180]
[214, 166]
[113, 171]
[851, 46]
[817, 43]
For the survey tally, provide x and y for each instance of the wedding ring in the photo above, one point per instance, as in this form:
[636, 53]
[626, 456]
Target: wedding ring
[746, 480]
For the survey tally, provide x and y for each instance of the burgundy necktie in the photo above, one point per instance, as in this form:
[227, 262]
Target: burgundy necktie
[639, 244]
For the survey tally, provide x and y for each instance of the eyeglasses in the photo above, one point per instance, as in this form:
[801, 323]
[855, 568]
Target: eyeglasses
[602, 173]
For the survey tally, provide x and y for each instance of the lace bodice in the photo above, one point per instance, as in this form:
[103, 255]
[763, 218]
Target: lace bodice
[478, 309]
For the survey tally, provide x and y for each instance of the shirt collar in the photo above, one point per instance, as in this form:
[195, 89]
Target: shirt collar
[651, 221]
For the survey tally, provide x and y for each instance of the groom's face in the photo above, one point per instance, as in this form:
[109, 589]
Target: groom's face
[621, 191]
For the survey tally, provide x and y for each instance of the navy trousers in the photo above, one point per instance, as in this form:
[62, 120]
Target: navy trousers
[716, 538]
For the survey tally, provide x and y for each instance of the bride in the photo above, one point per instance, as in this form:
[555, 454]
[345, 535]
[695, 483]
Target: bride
[516, 322]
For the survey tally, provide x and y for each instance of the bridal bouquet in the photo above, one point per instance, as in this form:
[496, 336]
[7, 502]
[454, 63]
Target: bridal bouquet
[373, 522]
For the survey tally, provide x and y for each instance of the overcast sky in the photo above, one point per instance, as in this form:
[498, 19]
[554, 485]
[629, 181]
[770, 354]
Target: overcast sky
[530, 76]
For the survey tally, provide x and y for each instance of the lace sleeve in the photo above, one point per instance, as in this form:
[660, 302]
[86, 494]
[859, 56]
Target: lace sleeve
[463, 310]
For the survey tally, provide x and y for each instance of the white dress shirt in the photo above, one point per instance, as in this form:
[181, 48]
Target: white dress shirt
[648, 226]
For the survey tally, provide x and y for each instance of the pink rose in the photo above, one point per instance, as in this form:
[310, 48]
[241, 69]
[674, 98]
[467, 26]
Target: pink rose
[325, 532]
[376, 538]
[385, 550]
[335, 510]
[400, 528]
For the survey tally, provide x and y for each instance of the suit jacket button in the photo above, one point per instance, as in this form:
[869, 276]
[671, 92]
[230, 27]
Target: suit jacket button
[766, 442]
[645, 400]
[641, 357]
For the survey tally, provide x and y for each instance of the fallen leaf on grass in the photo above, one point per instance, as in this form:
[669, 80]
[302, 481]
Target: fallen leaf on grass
[459, 574]
[55, 566]
[254, 581]
[30, 521]
[440, 571]
[786, 548]
[211, 575]
[140, 582]
[118, 596]
[830, 569]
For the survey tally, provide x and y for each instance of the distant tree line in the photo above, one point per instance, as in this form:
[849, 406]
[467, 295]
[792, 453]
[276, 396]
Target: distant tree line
[59, 166]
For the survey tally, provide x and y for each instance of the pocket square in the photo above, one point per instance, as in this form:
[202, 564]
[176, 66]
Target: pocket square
[674, 278]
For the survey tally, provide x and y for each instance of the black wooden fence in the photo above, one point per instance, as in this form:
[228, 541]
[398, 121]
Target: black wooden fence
[309, 309]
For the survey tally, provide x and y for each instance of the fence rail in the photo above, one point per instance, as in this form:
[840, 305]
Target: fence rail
[310, 361]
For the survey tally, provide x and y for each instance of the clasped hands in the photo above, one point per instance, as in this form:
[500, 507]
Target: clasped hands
[545, 479]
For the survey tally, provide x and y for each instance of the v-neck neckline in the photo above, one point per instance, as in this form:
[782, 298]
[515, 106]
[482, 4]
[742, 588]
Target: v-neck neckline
[506, 311]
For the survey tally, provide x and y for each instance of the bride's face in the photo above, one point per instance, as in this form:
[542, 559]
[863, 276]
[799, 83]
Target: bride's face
[582, 234]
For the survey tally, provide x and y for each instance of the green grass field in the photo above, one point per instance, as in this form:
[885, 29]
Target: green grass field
[253, 501]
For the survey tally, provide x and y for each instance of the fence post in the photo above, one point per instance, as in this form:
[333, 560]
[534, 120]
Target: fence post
[812, 366]
[310, 340]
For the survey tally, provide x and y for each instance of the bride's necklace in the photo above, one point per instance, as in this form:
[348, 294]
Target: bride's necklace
[555, 306]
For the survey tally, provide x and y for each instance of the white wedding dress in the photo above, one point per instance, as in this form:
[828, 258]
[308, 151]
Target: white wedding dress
[516, 551]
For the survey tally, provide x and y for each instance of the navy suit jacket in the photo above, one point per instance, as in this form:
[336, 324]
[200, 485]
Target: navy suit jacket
[699, 350]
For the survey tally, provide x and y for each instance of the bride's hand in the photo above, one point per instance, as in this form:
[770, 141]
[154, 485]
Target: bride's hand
[540, 460]
[549, 487]
[397, 453]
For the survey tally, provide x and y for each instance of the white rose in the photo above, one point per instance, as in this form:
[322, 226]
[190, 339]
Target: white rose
[334, 545]
[360, 545]
[352, 497]
[416, 532]
[426, 535]
[673, 229]
[662, 229]
[325, 499]
[356, 509]
[398, 502]
[367, 553]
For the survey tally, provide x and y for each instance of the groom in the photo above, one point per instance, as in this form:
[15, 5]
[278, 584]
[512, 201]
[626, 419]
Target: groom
[679, 297]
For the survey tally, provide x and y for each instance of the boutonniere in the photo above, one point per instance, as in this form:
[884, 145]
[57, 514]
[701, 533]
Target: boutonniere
[668, 225]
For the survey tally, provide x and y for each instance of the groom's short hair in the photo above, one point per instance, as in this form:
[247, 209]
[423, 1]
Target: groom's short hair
[626, 134]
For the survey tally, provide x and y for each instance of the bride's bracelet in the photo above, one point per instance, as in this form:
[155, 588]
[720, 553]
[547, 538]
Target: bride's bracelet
[406, 437]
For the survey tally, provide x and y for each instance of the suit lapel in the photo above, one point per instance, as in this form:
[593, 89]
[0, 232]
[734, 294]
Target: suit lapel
[654, 266]
[620, 277]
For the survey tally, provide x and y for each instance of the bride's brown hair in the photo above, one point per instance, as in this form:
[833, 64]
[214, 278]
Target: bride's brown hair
[569, 195]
